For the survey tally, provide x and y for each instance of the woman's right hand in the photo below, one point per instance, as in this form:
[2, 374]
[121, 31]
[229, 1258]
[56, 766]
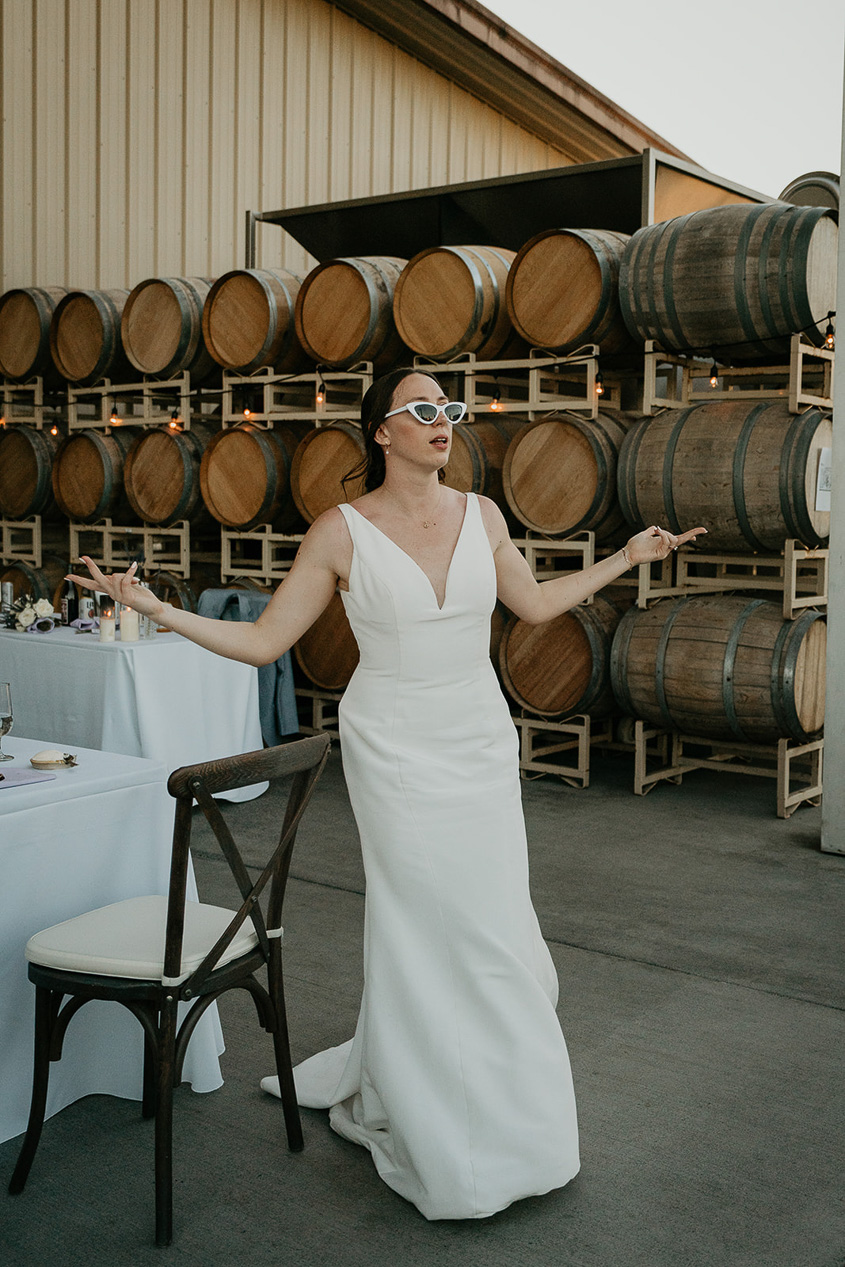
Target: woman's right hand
[122, 587]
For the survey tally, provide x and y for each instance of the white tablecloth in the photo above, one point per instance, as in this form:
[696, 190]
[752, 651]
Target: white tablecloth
[95, 834]
[166, 698]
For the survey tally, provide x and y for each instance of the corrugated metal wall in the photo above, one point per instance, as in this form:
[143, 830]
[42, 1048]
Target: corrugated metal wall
[136, 133]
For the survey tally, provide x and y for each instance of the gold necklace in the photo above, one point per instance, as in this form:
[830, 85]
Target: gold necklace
[426, 523]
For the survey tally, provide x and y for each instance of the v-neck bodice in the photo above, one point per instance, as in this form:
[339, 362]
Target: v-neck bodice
[417, 565]
[393, 609]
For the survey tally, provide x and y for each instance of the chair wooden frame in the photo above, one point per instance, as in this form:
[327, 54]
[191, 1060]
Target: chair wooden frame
[155, 1002]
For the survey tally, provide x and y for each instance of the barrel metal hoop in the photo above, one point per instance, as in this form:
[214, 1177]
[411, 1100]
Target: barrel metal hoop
[619, 661]
[660, 663]
[630, 315]
[593, 437]
[373, 296]
[793, 262]
[289, 337]
[642, 319]
[478, 306]
[752, 335]
[728, 665]
[763, 278]
[669, 468]
[598, 672]
[813, 215]
[791, 479]
[738, 474]
[674, 235]
[603, 315]
[273, 323]
[784, 661]
[186, 348]
[626, 483]
[654, 319]
[497, 299]
[263, 442]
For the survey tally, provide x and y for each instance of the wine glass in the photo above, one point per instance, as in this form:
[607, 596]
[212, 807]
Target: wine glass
[5, 717]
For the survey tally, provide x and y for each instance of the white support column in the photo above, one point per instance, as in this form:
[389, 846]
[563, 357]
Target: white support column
[833, 803]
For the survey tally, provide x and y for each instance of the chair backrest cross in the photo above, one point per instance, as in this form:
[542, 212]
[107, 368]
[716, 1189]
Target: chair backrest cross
[303, 762]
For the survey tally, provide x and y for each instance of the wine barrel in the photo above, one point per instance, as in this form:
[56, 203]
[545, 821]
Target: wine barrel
[733, 282]
[813, 189]
[25, 316]
[746, 472]
[161, 327]
[328, 653]
[722, 668]
[323, 458]
[247, 321]
[344, 311]
[44, 582]
[478, 455]
[563, 290]
[88, 476]
[451, 299]
[559, 474]
[245, 476]
[85, 338]
[161, 474]
[26, 470]
[561, 667]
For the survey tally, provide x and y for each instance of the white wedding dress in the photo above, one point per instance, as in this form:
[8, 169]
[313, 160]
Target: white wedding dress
[457, 1079]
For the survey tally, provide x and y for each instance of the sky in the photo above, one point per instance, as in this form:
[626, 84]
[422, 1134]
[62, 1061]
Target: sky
[748, 89]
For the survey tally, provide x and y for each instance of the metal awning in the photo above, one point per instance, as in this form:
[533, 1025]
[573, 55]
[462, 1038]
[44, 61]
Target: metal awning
[505, 211]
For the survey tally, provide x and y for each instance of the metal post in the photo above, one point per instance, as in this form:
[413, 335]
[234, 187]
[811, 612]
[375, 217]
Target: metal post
[249, 250]
[833, 803]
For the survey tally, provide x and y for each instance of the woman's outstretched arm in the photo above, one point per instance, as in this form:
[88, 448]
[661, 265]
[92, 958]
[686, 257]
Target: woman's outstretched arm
[536, 602]
[305, 592]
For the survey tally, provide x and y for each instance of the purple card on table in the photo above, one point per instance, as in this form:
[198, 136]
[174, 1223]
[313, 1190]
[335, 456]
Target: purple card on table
[14, 778]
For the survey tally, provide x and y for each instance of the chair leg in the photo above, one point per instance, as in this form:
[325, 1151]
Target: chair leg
[164, 1123]
[281, 1046]
[46, 1006]
[148, 1103]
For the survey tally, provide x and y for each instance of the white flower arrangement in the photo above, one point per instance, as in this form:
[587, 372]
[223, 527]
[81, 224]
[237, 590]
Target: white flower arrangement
[31, 615]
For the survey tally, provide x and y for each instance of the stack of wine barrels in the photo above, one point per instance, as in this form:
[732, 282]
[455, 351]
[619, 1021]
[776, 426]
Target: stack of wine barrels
[733, 283]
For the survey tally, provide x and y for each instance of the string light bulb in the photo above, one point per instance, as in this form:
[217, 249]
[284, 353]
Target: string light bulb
[321, 389]
[114, 417]
[496, 402]
[599, 384]
[175, 420]
[829, 335]
[714, 375]
[54, 431]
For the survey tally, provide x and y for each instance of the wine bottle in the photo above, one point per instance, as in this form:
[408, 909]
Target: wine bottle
[70, 603]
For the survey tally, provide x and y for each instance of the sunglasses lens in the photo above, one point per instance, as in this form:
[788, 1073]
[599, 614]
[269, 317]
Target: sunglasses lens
[425, 412]
[454, 411]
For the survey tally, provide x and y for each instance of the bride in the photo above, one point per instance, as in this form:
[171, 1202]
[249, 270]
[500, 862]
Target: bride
[457, 1078]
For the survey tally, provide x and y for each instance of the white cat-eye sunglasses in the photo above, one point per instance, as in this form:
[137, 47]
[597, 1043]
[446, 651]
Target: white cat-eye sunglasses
[424, 411]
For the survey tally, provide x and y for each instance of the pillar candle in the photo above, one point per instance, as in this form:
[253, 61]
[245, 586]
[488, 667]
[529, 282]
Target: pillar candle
[107, 627]
[128, 625]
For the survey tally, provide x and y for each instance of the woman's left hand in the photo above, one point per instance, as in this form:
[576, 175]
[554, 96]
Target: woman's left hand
[656, 543]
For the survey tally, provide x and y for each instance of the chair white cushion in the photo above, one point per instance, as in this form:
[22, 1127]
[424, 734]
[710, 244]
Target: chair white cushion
[126, 939]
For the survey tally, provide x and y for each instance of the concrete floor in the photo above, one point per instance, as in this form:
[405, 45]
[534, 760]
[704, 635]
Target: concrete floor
[698, 939]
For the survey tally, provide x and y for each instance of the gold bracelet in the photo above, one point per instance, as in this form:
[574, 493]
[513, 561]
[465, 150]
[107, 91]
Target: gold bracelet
[626, 556]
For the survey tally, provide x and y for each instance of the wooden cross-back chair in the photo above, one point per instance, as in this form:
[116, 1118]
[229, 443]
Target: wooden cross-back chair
[153, 953]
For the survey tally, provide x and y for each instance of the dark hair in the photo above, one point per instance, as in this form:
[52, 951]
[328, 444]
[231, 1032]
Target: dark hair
[376, 403]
